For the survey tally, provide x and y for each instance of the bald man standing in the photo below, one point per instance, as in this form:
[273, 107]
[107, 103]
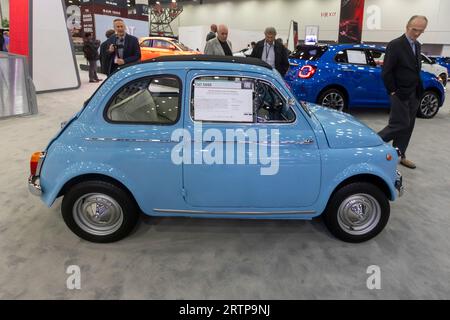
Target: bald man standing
[219, 46]
[401, 76]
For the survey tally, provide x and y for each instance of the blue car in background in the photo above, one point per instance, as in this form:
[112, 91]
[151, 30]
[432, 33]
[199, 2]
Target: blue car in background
[348, 76]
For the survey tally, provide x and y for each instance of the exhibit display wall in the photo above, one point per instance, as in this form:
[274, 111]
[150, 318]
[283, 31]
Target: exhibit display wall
[383, 19]
[53, 64]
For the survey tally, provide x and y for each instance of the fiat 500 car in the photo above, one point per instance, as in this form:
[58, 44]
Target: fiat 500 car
[348, 76]
[213, 137]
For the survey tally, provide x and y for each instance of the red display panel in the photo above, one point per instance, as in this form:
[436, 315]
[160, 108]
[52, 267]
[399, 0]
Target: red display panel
[350, 21]
[19, 26]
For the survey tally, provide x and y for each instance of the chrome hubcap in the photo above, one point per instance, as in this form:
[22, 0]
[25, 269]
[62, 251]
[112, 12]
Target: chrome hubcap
[333, 100]
[98, 214]
[429, 105]
[359, 214]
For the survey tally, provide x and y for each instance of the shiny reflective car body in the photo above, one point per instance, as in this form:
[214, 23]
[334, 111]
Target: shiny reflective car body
[349, 76]
[153, 47]
[213, 137]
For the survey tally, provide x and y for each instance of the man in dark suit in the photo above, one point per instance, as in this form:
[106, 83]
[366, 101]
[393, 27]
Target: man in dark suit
[122, 48]
[272, 52]
[401, 76]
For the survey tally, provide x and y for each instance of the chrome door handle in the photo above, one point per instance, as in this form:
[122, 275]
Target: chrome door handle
[307, 141]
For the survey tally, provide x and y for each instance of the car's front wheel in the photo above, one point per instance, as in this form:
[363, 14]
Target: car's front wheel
[334, 99]
[428, 105]
[357, 212]
[99, 211]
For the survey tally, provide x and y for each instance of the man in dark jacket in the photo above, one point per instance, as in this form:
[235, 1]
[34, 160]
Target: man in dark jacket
[2, 40]
[401, 76]
[272, 51]
[122, 48]
[103, 52]
[212, 33]
[90, 48]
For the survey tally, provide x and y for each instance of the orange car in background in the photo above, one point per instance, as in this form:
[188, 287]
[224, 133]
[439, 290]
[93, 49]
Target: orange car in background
[153, 47]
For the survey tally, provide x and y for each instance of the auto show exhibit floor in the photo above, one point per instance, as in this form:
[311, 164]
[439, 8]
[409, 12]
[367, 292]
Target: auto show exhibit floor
[181, 258]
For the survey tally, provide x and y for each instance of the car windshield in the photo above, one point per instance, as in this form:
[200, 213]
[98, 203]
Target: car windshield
[305, 52]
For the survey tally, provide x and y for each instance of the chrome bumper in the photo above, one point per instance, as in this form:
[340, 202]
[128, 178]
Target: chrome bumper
[34, 186]
[399, 184]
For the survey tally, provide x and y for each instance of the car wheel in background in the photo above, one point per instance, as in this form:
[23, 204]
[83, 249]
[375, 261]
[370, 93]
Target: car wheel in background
[357, 212]
[428, 105]
[99, 211]
[334, 99]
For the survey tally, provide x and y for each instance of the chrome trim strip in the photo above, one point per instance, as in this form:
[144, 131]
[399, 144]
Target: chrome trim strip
[303, 142]
[128, 140]
[233, 212]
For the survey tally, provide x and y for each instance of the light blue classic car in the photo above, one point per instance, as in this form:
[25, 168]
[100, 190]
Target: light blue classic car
[213, 137]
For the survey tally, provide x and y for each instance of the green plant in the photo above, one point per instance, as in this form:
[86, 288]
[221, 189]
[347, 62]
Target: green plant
[5, 23]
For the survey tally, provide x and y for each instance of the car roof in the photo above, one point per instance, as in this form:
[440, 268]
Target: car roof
[206, 61]
[156, 38]
[342, 46]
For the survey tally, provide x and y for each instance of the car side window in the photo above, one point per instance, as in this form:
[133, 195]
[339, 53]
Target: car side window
[270, 106]
[161, 44]
[146, 43]
[341, 57]
[377, 57]
[237, 99]
[351, 56]
[153, 100]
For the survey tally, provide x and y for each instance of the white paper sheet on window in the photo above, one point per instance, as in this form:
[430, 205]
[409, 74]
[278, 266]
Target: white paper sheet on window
[216, 100]
[356, 56]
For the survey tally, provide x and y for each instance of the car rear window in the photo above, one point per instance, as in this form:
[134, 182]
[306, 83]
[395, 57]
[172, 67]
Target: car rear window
[308, 52]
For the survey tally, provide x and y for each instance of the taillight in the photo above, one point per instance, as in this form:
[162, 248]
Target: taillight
[307, 72]
[34, 161]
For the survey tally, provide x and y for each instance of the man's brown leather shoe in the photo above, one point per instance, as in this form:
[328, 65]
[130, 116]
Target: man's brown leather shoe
[407, 163]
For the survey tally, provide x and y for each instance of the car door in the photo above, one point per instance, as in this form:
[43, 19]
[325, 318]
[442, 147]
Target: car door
[376, 59]
[136, 137]
[253, 150]
[359, 76]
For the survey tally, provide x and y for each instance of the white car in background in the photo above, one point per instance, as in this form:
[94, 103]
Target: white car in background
[434, 68]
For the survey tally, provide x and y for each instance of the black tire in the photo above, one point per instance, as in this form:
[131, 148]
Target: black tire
[333, 99]
[105, 197]
[351, 196]
[428, 105]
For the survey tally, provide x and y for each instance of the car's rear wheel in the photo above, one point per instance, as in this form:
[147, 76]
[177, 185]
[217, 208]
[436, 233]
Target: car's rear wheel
[334, 99]
[357, 212]
[428, 105]
[99, 211]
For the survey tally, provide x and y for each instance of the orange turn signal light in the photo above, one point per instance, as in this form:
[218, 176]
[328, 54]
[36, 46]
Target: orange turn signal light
[388, 157]
[34, 162]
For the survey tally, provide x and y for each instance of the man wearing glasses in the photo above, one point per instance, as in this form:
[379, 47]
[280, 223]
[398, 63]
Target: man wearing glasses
[401, 76]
